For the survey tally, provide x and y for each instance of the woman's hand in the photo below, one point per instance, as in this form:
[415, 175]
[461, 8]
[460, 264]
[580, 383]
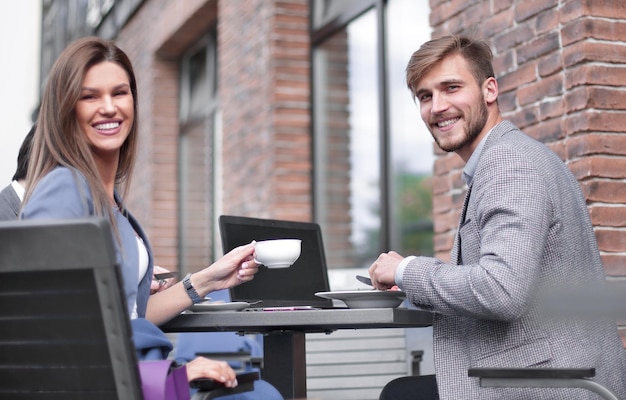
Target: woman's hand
[158, 285]
[234, 268]
[219, 371]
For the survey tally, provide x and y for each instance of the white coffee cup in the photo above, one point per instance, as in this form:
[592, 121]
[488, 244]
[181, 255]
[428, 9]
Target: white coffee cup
[277, 253]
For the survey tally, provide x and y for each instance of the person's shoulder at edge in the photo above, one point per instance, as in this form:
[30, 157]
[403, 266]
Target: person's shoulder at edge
[61, 193]
[9, 203]
[6, 190]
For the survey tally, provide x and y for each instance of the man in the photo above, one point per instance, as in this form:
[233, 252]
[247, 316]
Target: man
[524, 230]
[11, 196]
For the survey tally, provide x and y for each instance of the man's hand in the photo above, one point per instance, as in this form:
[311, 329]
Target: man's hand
[383, 270]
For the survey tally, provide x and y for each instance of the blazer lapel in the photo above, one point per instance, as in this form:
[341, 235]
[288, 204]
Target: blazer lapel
[455, 255]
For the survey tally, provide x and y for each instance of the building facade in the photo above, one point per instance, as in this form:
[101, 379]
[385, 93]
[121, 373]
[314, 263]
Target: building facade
[297, 109]
[230, 123]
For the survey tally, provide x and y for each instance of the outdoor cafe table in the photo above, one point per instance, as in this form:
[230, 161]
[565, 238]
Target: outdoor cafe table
[284, 332]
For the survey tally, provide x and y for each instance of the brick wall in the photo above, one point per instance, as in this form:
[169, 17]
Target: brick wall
[560, 68]
[264, 98]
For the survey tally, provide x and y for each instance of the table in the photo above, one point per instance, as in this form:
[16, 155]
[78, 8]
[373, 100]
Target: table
[284, 342]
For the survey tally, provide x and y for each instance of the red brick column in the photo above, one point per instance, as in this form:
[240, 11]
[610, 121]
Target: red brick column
[264, 98]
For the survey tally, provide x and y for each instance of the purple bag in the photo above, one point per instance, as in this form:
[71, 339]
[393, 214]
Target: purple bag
[163, 380]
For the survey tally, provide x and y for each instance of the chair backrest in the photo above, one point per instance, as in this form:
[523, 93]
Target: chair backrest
[64, 327]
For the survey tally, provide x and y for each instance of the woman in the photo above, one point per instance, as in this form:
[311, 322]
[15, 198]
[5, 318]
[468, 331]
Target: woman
[83, 152]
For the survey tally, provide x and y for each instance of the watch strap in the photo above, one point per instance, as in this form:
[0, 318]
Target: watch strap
[191, 291]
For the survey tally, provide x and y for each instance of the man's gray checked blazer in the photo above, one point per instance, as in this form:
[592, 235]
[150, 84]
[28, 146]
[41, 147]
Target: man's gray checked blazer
[525, 227]
[9, 204]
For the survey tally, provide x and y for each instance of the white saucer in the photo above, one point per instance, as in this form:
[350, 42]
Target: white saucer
[367, 298]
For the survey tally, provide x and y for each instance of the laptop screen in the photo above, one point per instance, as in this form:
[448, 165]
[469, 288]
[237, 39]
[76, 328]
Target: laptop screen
[280, 287]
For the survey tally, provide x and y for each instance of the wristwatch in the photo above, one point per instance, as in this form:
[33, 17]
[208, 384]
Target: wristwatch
[191, 292]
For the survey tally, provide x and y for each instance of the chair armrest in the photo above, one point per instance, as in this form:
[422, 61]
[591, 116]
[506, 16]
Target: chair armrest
[257, 362]
[541, 378]
[219, 392]
[416, 359]
[532, 373]
[209, 389]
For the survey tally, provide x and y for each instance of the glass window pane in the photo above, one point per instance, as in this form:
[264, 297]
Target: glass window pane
[412, 154]
[347, 143]
[195, 197]
[199, 86]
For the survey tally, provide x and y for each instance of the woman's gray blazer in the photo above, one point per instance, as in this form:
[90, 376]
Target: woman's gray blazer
[64, 193]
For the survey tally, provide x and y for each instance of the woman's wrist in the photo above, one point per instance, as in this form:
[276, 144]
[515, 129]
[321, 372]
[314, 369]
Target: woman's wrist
[191, 290]
[202, 282]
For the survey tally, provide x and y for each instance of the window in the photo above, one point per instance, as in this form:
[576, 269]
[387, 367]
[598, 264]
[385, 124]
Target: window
[373, 154]
[199, 134]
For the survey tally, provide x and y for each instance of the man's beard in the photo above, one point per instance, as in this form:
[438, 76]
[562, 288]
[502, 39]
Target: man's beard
[473, 129]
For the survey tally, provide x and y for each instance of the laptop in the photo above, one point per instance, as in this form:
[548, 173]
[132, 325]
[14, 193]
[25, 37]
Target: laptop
[280, 288]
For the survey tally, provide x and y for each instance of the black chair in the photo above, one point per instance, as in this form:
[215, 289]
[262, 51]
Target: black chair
[213, 390]
[541, 377]
[65, 330]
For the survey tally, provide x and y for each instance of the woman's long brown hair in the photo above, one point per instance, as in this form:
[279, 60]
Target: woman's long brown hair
[59, 140]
